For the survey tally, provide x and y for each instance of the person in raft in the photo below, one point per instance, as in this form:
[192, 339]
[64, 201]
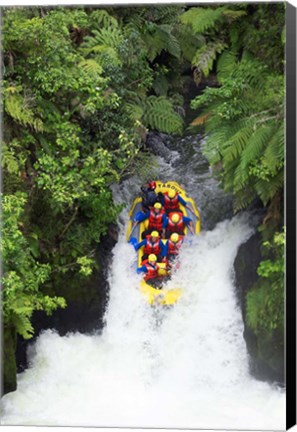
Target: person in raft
[152, 245]
[173, 245]
[150, 267]
[171, 200]
[176, 222]
[156, 217]
[149, 196]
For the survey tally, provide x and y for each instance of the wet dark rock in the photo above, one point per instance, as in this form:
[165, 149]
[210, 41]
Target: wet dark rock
[155, 141]
[266, 351]
[9, 368]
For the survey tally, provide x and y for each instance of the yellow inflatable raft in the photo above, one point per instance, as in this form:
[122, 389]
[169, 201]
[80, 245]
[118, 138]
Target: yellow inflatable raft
[164, 296]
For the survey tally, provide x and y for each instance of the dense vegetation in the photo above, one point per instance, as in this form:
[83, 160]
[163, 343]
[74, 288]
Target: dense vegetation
[243, 116]
[81, 88]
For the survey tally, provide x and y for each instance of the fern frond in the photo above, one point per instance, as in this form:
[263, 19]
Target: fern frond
[109, 36]
[101, 17]
[8, 160]
[255, 145]
[241, 179]
[189, 42]
[237, 144]
[205, 56]
[226, 64]
[233, 15]
[160, 115]
[91, 66]
[158, 38]
[17, 107]
[135, 23]
[104, 43]
[201, 19]
[167, 14]
[171, 44]
[161, 85]
[267, 189]
[23, 325]
[244, 199]
[134, 110]
[275, 152]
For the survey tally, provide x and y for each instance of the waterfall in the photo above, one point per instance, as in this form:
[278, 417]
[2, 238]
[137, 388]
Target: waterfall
[184, 367]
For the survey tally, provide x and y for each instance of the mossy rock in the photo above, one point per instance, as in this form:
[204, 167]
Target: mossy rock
[266, 350]
[9, 370]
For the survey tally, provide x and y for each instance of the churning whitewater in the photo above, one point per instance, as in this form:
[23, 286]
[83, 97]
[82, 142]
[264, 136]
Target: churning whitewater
[186, 367]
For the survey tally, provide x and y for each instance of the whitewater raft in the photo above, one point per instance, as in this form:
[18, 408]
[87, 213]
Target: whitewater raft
[163, 296]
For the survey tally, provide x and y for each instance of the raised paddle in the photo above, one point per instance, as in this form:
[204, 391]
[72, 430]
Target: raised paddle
[133, 227]
[193, 213]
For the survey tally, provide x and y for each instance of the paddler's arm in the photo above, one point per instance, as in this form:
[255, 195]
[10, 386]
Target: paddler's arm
[164, 225]
[164, 251]
[139, 245]
[141, 269]
[184, 203]
[188, 221]
[140, 217]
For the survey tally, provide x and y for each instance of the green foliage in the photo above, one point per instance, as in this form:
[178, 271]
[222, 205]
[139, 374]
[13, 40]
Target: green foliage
[244, 115]
[243, 118]
[265, 302]
[19, 109]
[85, 265]
[202, 19]
[157, 113]
[158, 38]
[80, 87]
[23, 276]
[204, 58]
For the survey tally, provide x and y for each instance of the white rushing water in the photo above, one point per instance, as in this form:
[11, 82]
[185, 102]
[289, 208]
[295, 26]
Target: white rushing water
[181, 368]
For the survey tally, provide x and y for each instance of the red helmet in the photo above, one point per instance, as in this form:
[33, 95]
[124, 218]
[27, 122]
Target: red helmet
[152, 185]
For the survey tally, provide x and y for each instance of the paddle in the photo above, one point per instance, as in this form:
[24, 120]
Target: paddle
[193, 213]
[134, 226]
